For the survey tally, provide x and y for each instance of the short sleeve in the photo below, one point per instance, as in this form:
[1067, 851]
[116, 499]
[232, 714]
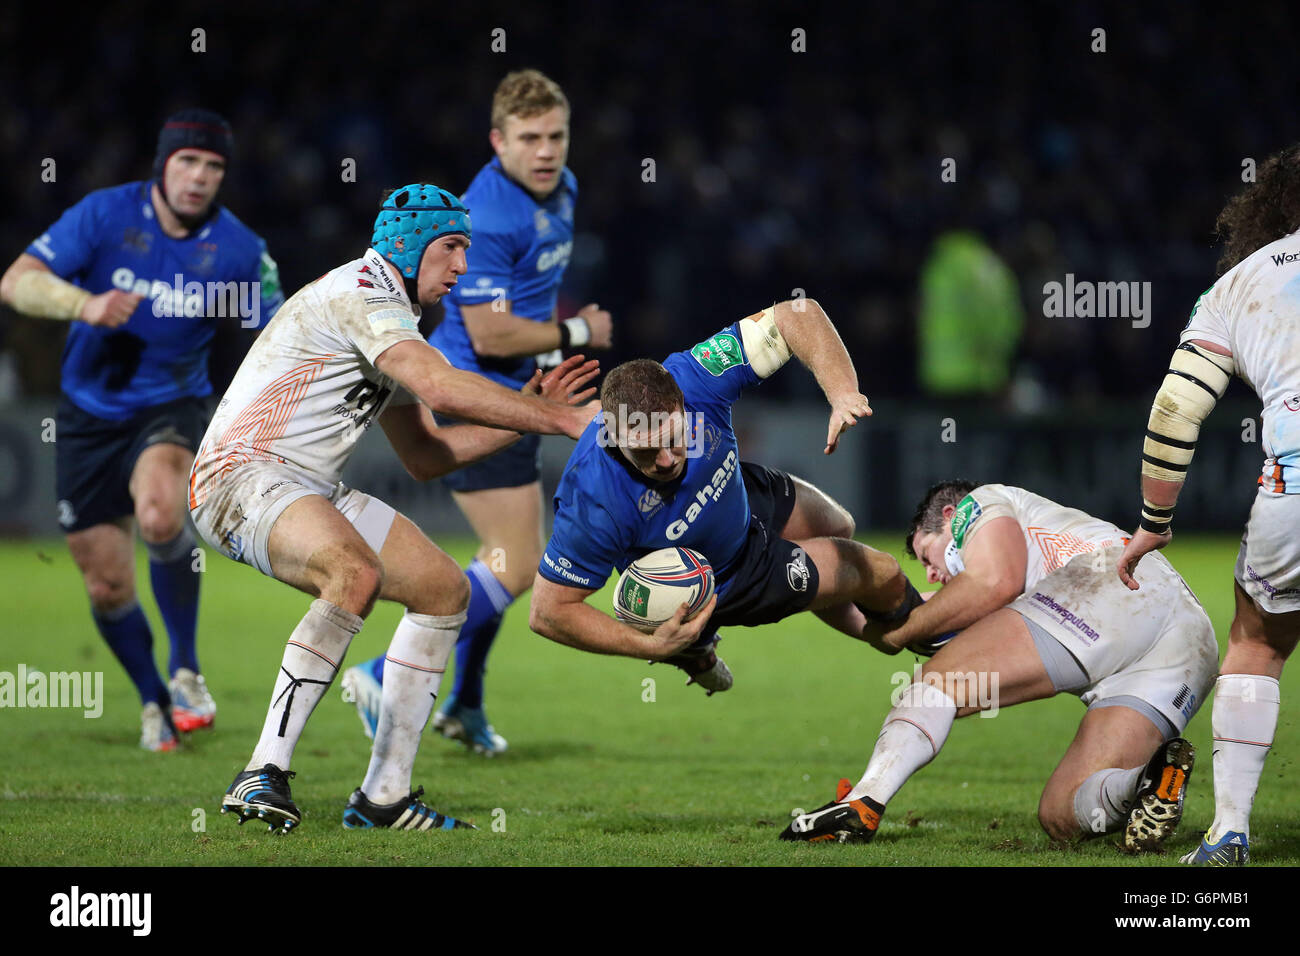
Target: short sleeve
[718, 366]
[978, 509]
[491, 261]
[70, 243]
[268, 278]
[583, 548]
[374, 324]
[1207, 322]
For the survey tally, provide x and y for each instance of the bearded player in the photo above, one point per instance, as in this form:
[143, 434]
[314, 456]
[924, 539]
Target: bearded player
[661, 466]
[1247, 324]
[135, 386]
[498, 320]
[343, 353]
[1028, 583]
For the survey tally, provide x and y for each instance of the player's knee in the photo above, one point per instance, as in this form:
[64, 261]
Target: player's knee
[109, 593]
[841, 523]
[356, 579]
[1056, 817]
[443, 595]
[160, 521]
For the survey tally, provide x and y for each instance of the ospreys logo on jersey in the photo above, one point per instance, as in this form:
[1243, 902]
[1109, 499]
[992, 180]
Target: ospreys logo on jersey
[719, 353]
[968, 512]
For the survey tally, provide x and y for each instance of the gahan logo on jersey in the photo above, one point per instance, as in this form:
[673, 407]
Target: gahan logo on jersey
[1283, 258]
[710, 492]
[221, 300]
[558, 256]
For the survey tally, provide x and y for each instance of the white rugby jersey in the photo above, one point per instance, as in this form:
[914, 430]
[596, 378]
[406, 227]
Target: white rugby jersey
[1053, 533]
[308, 388]
[1254, 312]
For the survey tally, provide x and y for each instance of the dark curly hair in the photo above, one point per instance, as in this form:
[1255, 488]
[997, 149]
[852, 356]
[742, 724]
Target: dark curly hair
[929, 513]
[1263, 212]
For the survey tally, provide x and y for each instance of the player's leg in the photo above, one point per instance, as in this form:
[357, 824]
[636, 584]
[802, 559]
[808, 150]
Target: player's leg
[157, 487]
[995, 664]
[1092, 789]
[434, 591]
[314, 548]
[855, 579]
[1244, 719]
[105, 554]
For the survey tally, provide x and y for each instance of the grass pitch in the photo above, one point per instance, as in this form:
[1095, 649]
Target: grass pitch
[603, 767]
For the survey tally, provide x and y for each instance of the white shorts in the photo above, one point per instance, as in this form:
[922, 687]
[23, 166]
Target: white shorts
[1268, 563]
[244, 504]
[1155, 644]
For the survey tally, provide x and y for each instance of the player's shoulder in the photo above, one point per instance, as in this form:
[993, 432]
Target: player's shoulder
[235, 232]
[496, 203]
[119, 200]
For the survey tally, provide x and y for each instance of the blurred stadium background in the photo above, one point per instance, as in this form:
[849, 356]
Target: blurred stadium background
[775, 170]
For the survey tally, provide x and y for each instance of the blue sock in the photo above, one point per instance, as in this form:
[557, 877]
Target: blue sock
[176, 589]
[376, 665]
[126, 630]
[488, 600]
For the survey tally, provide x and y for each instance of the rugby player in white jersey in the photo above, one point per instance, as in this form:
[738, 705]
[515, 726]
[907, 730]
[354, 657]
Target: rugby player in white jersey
[1029, 585]
[340, 354]
[1248, 324]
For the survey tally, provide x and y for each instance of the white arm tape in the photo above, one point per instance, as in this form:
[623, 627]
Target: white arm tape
[42, 293]
[1196, 380]
[765, 347]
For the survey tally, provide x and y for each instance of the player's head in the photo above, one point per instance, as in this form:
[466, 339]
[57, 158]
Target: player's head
[530, 130]
[194, 149]
[930, 534]
[424, 231]
[645, 420]
[1264, 211]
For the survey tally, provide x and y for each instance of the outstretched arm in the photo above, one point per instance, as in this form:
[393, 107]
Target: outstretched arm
[423, 371]
[429, 450]
[801, 328]
[1198, 376]
[28, 286]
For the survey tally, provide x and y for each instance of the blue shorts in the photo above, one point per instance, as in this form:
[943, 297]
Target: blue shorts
[771, 579]
[94, 457]
[519, 464]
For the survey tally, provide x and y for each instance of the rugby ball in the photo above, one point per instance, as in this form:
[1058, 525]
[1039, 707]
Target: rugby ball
[654, 586]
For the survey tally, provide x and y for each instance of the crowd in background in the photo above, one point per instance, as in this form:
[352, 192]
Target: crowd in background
[774, 168]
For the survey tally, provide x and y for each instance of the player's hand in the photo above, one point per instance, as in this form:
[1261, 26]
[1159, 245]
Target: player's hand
[845, 412]
[574, 419]
[110, 309]
[601, 325]
[1142, 543]
[677, 633]
[562, 383]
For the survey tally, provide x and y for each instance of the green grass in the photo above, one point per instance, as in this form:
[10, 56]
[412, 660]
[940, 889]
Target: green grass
[594, 775]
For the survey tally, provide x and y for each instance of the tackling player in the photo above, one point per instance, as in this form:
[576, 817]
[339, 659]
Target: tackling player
[661, 467]
[497, 321]
[343, 353]
[1030, 583]
[1248, 324]
[121, 266]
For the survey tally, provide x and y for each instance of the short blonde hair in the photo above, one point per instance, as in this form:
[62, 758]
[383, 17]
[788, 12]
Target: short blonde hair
[525, 93]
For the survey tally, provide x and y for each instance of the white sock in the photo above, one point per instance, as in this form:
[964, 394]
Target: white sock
[413, 670]
[914, 732]
[311, 659]
[1243, 719]
[1103, 801]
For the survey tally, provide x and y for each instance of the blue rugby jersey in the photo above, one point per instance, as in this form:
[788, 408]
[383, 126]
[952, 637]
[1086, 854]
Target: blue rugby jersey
[111, 240]
[518, 254]
[607, 514]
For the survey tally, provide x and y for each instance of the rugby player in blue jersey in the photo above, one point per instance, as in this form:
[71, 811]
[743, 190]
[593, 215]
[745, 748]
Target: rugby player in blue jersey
[144, 272]
[501, 322]
[660, 466]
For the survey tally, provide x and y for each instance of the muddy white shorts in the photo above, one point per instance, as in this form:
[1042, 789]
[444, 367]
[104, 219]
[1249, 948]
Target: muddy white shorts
[1268, 563]
[1155, 644]
[242, 507]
